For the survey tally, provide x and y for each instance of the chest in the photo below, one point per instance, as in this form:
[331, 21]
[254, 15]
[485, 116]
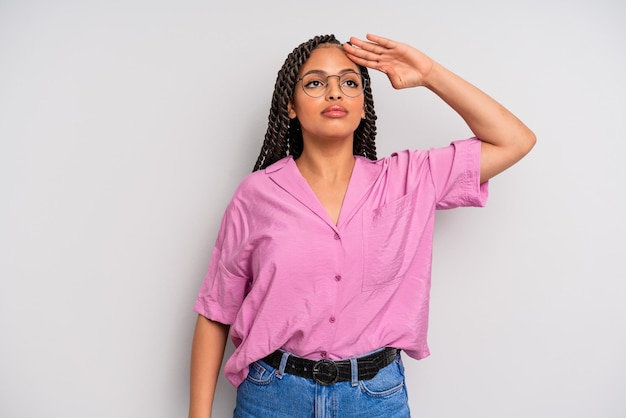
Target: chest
[373, 247]
[330, 197]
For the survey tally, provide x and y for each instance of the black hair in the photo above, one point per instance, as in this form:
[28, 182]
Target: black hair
[284, 136]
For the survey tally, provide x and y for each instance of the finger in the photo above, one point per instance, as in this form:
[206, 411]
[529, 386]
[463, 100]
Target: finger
[385, 42]
[367, 46]
[351, 49]
[362, 57]
[365, 58]
[360, 61]
[369, 63]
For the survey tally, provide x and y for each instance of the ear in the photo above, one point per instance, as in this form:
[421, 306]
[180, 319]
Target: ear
[291, 110]
[363, 112]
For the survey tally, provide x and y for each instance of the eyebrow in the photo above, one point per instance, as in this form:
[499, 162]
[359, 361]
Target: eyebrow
[344, 71]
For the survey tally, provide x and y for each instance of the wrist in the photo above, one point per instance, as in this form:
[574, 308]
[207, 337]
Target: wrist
[433, 78]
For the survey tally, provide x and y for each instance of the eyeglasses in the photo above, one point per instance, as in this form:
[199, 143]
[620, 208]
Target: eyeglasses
[316, 84]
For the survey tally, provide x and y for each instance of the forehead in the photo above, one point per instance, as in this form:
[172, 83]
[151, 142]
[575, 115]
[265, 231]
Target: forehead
[328, 58]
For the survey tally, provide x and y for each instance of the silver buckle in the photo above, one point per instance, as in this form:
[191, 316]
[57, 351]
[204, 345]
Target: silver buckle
[325, 372]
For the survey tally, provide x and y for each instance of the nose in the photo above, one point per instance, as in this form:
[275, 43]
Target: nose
[333, 89]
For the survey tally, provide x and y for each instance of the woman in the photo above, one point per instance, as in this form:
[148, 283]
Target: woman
[321, 269]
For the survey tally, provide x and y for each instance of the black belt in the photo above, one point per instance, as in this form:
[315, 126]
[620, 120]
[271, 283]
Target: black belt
[327, 372]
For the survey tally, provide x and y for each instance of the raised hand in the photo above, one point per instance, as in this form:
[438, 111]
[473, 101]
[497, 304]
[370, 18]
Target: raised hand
[404, 65]
[505, 138]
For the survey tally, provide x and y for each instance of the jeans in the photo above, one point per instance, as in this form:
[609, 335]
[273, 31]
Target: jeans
[268, 393]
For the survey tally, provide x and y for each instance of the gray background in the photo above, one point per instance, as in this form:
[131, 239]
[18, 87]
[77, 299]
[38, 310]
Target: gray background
[125, 127]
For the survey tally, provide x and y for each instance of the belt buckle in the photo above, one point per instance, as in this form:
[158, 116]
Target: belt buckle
[325, 372]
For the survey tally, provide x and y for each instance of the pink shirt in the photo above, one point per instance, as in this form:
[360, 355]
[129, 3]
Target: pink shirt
[284, 276]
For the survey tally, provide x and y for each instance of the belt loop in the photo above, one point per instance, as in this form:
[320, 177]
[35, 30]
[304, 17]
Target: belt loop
[354, 367]
[283, 363]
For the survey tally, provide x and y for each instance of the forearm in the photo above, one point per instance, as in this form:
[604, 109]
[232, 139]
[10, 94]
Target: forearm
[505, 138]
[488, 119]
[207, 354]
[508, 138]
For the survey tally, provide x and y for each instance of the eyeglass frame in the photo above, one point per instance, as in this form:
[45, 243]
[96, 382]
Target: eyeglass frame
[362, 89]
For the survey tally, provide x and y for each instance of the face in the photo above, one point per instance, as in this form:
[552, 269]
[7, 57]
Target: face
[334, 115]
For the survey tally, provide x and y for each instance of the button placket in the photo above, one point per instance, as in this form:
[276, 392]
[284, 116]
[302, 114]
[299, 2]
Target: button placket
[337, 277]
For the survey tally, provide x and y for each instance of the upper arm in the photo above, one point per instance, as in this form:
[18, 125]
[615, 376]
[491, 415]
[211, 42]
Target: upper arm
[494, 159]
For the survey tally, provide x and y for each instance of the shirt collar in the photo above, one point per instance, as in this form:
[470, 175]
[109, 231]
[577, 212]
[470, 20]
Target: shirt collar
[285, 174]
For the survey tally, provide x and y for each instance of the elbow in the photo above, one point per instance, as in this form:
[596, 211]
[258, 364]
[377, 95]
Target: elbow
[532, 140]
[526, 142]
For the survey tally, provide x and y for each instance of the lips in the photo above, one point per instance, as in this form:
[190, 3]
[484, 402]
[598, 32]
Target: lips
[335, 111]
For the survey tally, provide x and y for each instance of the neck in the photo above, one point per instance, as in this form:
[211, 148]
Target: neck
[331, 162]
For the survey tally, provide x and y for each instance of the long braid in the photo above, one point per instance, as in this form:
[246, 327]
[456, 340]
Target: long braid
[284, 136]
[365, 135]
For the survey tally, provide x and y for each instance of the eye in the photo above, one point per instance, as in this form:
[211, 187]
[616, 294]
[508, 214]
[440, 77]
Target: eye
[351, 81]
[314, 82]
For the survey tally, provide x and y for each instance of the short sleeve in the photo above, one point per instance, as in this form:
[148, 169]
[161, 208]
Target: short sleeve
[455, 171]
[226, 282]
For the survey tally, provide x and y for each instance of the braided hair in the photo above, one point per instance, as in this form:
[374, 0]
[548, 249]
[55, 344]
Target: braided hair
[284, 136]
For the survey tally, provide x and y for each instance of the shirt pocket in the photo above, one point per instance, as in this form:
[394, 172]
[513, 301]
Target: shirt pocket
[390, 242]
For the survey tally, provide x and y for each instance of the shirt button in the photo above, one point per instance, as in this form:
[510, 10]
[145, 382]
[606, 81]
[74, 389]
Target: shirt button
[331, 319]
[338, 278]
[324, 354]
[337, 237]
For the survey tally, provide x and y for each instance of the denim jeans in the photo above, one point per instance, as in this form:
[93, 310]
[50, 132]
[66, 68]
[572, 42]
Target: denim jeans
[268, 393]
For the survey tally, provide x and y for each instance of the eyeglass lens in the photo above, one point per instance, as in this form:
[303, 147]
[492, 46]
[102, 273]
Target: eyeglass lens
[316, 85]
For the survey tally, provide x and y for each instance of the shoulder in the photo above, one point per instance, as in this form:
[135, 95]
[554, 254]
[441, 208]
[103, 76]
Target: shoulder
[415, 162]
[401, 160]
[461, 146]
[259, 182]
